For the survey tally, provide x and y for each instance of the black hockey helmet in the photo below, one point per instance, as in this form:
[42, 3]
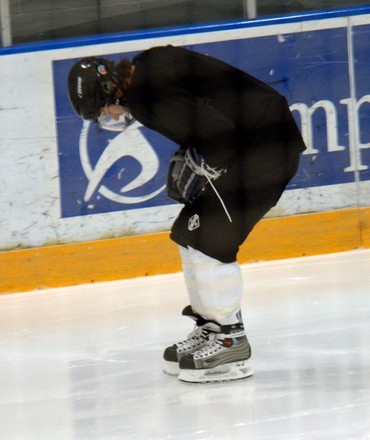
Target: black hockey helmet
[91, 85]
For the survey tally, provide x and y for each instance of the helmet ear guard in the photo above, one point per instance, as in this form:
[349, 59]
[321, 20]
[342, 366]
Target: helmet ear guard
[92, 83]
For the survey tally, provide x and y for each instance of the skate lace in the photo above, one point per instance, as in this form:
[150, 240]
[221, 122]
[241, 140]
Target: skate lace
[195, 338]
[214, 345]
[211, 174]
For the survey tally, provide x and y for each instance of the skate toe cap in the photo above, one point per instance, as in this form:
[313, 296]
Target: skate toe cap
[170, 354]
[187, 362]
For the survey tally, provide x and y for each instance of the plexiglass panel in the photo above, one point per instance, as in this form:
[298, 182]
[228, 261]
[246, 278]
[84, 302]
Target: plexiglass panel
[40, 20]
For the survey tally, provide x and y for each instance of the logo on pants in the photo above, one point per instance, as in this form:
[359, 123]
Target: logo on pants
[194, 222]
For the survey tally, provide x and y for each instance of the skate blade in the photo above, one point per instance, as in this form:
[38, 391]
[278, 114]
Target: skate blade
[171, 368]
[223, 373]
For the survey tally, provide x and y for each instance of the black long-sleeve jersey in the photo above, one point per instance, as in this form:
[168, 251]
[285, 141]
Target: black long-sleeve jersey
[199, 101]
[236, 122]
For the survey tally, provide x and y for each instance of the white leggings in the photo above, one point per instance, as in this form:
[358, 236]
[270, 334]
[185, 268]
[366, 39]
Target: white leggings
[215, 289]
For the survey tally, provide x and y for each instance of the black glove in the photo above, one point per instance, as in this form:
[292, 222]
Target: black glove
[185, 179]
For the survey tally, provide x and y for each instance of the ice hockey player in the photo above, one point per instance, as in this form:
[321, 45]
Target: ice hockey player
[239, 146]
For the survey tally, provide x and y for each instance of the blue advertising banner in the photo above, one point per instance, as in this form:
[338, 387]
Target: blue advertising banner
[361, 106]
[103, 171]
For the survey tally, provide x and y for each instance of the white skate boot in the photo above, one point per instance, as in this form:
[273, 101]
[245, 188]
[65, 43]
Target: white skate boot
[223, 358]
[196, 339]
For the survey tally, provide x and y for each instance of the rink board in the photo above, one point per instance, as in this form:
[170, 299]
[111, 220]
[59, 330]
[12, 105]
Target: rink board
[146, 255]
[69, 182]
[79, 201]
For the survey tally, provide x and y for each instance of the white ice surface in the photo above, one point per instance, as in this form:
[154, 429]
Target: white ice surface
[85, 362]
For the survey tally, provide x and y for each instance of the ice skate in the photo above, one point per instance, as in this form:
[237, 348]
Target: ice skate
[198, 338]
[223, 358]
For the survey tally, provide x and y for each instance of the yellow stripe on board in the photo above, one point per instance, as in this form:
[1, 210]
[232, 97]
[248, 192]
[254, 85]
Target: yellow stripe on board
[129, 257]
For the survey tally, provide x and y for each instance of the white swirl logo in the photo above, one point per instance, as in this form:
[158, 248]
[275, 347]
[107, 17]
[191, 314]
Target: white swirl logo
[132, 143]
